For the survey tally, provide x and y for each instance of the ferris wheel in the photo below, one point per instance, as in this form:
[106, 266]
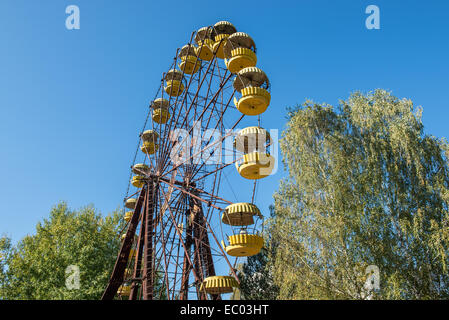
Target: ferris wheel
[179, 224]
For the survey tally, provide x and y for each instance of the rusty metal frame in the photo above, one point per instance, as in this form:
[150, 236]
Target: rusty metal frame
[164, 248]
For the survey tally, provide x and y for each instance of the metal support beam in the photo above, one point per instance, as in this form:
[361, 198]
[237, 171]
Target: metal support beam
[118, 272]
[148, 263]
[137, 265]
[186, 266]
[203, 255]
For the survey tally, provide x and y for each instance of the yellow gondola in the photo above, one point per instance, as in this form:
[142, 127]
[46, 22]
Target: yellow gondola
[130, 203]
[124, 236]
[132, 253]
[243, 245]
[221, 31]
[189, 60]
[138, 181]
[161, 113]
[239, 52]
[252, 83]
[124, 290]
[149, 147]
[140, 169]
[149, 144]
[203, 39]
[173, 83]
[128, 216]
[219, 284]
[240, 214]
[252, 139]
[255, 165]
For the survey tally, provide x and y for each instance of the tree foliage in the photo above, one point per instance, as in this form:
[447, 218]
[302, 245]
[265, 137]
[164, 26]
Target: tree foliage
[366, 186]
[256, 281]
[35, 268]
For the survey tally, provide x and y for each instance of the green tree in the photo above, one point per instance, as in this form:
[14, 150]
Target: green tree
[256, 282]
[36, 267]
[365, 186]
[5, 258]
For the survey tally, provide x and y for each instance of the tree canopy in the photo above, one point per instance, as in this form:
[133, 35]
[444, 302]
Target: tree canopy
[36, 268]
[365, 187]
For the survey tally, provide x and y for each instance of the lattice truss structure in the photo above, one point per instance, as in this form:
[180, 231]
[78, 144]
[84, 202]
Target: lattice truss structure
[170, 244]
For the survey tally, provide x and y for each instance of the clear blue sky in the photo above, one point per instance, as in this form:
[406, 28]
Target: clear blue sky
[73, 102]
